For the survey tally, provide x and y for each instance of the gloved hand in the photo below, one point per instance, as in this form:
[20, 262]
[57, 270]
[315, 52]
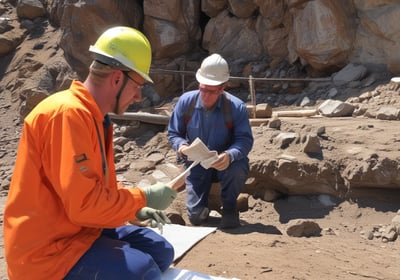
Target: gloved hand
[222, 162]
[156, 217]
[159, 196]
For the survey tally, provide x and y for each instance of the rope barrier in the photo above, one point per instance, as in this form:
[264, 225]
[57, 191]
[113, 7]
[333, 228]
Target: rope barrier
[165, 71]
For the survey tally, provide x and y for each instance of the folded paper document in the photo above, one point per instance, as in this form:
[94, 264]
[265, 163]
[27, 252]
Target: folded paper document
[198, 151]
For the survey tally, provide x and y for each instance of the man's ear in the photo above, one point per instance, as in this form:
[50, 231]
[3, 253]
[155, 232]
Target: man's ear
[117, 77]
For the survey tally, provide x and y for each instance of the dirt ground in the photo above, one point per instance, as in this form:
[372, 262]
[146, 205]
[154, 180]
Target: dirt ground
[261, 249]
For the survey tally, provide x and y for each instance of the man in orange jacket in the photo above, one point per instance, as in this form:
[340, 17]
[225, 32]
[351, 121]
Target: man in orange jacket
[65, 217]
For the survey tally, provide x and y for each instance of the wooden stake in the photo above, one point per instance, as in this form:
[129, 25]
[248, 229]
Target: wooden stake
[253, 96]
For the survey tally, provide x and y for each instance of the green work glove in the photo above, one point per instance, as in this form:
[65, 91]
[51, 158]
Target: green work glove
[156, 217]
[159, 196]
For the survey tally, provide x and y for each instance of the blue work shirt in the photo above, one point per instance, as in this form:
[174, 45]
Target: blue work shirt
[210, 126]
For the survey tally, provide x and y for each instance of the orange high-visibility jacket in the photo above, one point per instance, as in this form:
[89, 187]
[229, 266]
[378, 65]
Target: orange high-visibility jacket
[62, 193]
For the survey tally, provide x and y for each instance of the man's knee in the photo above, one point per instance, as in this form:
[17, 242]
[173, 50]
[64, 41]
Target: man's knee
[238, 170]
[239, 166]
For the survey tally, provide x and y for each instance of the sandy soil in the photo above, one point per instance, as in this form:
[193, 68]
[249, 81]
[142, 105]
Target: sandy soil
[261, 248]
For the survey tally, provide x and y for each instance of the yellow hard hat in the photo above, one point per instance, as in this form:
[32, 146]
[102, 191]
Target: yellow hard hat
[124, 48]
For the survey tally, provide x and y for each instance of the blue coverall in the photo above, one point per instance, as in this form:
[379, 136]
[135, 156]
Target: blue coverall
[211, 127]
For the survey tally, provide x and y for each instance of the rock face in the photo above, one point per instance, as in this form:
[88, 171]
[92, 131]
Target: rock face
[356, 159]
[320, 37]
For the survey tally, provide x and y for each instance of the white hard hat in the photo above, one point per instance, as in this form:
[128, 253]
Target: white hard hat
[213, 71]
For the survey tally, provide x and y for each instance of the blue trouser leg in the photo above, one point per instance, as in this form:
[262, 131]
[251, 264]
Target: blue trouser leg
[127, 252]
[198, 185]
[232, 182]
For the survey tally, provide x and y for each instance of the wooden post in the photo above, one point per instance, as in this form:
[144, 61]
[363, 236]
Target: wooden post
[253, 96]
[183, 79]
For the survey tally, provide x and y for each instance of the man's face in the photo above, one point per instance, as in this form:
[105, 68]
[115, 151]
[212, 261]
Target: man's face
[132, 91]
[209, 94]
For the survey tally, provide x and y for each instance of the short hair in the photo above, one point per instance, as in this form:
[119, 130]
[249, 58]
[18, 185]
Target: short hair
[100, 69]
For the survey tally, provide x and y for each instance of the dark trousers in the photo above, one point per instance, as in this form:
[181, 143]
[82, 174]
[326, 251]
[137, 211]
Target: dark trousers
[198, 185]
[127, 252]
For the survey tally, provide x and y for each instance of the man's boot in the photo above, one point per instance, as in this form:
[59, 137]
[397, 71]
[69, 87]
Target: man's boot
[200, 218]
[230, 219]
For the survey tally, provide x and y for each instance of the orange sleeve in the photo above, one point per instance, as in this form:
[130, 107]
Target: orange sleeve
[60, 195]
[73, 163]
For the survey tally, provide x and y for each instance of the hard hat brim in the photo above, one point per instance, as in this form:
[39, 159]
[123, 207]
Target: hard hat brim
[210, 82]
[98, 53]
[395, 80]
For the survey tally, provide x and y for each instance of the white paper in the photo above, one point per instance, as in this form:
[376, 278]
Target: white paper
[198, 151]
[183, 274]
[183, 238]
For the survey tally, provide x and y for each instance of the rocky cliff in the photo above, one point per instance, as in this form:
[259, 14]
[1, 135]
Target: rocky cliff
[258, 38]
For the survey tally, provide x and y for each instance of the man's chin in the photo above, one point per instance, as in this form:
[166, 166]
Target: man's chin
[121, 111]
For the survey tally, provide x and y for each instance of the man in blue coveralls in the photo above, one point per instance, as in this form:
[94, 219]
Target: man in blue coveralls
[221, 121]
